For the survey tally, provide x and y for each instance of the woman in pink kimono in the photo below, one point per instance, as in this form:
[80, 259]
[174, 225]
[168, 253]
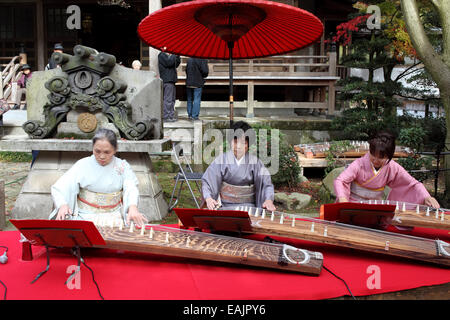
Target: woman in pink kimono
[366, 177]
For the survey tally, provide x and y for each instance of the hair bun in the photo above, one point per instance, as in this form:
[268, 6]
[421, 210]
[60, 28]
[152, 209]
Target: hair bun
[385, 137]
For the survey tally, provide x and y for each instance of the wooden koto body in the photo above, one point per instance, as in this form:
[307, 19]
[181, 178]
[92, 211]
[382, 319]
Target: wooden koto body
[199, 245]
[415, 215]
[317, 230]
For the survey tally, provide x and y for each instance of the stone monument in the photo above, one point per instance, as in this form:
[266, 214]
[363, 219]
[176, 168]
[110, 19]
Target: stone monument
[67, 105]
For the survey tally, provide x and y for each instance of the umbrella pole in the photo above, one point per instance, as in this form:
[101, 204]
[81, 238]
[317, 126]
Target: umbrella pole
[230, 48]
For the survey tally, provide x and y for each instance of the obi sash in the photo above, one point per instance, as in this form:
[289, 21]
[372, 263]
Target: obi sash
[97, 202]
[359, 192]
[237, 194]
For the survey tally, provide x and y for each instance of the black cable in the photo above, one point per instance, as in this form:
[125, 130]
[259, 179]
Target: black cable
[6, 289]
[93, 279]
[271, 240]
[80, 259]
[342, 281]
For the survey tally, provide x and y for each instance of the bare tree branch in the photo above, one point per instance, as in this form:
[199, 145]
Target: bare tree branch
[406, 73]
[436, 4]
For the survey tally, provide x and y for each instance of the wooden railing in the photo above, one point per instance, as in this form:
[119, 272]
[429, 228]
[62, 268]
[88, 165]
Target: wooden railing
[10, 74]
[316, 73]
[276, 66]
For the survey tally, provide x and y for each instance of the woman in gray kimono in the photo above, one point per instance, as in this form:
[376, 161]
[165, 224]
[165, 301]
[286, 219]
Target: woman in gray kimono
[237, 177]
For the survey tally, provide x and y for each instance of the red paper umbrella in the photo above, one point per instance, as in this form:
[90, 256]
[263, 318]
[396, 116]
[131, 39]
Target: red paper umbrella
[230, 29]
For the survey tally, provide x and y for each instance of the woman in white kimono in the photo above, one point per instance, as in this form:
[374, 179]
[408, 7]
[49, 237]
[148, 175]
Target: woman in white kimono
[238, 177]
[101, 186]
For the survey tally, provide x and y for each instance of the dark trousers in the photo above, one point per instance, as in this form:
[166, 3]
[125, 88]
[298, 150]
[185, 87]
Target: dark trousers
[169, 92]
[194, 98]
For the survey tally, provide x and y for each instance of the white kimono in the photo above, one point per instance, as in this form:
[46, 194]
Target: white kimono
[249, 171]
[88, 174]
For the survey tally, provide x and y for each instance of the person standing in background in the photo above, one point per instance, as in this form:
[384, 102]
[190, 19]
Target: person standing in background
[51, 63]
[22, 85]
[168, 64]
[136, 65]
[196, 72]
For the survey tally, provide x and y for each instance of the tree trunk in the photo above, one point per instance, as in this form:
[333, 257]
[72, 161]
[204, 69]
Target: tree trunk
[437, 65]
[446, 102]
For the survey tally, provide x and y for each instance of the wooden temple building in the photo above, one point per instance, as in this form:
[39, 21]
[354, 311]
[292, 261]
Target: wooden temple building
[283, 85]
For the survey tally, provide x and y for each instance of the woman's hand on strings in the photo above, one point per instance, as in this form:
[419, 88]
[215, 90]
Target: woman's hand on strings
[63, 211]
[134, 215]
[432, 202]
[268, 204]
[211, 203]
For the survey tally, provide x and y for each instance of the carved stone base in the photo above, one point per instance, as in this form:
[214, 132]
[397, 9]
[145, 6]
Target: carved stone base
[35, 202]
[69, 129]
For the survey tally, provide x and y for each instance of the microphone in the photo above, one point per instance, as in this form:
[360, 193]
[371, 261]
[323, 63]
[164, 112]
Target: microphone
[4, 256]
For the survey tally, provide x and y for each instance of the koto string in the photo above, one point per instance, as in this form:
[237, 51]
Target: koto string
[346, 226]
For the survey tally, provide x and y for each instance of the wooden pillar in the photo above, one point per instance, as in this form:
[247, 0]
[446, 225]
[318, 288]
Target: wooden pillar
[322, 42]
[331, 87]
[41, 54]
[331, 98]
[332, 63]
[250, 99]
[317, 92]
[2, 205]
[153, 5]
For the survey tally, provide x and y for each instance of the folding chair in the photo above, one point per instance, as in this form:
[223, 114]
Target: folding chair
[184, 175]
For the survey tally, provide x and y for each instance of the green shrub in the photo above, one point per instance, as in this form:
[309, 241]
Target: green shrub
[289, 169]
[334, 154]
[412, 137]
[417, 163]
[360, 123]
[8, 156]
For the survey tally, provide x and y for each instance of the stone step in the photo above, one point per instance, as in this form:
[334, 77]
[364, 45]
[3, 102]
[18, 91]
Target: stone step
[12, 125]
[14, 118]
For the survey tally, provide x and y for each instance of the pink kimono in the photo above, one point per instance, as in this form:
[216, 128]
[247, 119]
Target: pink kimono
[360, 182]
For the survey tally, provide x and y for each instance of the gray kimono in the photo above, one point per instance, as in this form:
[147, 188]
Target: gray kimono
[251, 171]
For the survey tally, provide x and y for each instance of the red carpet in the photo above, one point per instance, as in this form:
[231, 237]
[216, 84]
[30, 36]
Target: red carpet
[128, 275]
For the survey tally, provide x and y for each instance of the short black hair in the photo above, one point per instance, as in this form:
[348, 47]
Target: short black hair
[241, 128]
[244, 126]
[382, 144]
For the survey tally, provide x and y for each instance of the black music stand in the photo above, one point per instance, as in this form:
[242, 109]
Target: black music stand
[359, 214]
[359, 217]
[215, 220]
[73, 234]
